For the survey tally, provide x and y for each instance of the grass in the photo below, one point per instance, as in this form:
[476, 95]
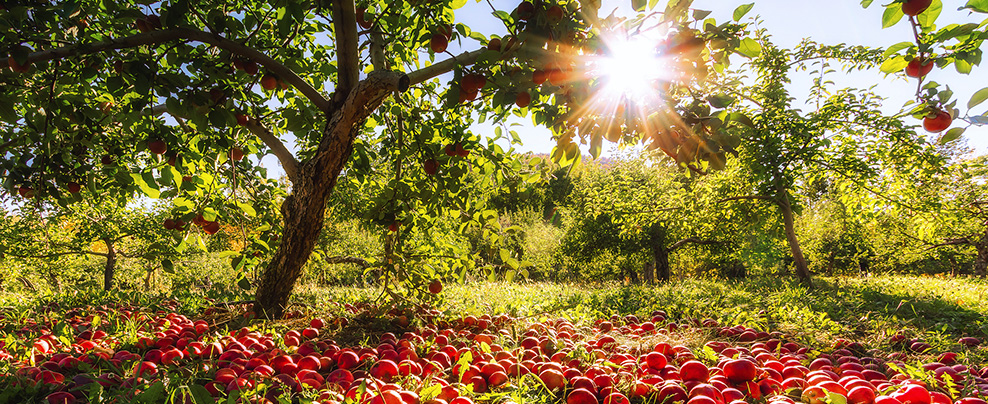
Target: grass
[868, 310]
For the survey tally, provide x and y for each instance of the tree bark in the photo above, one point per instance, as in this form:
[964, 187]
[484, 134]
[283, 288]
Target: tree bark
[802, 270]
[110, 268]
[981, 262]
[660, 254]
[304, 209]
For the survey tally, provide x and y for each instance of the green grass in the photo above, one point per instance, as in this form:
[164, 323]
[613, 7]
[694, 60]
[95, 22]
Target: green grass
[868, 310]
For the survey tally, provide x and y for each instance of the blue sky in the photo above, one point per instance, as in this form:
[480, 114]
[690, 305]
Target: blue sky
[789, 21]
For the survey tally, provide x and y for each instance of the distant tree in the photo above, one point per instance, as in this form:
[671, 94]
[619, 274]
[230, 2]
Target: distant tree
[845, 134]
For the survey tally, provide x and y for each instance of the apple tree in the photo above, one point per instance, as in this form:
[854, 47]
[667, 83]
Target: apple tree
[937, 47]
[169, 97]
[845, 134]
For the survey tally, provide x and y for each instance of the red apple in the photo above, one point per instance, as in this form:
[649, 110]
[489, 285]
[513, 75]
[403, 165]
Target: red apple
[494, 44]
[157, 146]
[431, 166]
[581, 396]
[740, 370]
[236, 154]
[61, 397]
[919, 67]
[211, 227]
[17, 67]
[242, 119]
[525, 10]
[435, 287]
[269, 82]
[26, 191]
[523, 99]
[937, 121]
[73, 187]
[539, 76]
[362, 19]
[438, 43]
[554, 14]
[914, 7]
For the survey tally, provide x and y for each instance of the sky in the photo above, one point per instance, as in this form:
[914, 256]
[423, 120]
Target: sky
[789, 21]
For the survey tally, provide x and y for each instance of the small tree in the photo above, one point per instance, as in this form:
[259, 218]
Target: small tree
[845, 135]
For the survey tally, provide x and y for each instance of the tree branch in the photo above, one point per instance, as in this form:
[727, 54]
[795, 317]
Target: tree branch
[173, 34]
[738, 198]
[12, 142]
[288, 161]
[347, 54]
[285, 156]
[951, 241]
[428, 72]
[348, 260]
[61, 254]
[692, 240]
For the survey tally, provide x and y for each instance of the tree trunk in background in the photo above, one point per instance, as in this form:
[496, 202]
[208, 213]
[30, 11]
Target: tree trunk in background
[660, 253]
[802, 270]
[110, 268]
[981, 262]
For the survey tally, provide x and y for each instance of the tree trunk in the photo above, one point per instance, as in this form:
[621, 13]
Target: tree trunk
[304, 209]
[110, 268]
[660, 254]
[303, 213]
[981, 262]
[802, 270]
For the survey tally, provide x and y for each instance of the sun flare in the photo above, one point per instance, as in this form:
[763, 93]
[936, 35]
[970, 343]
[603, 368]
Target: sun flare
[631, 68]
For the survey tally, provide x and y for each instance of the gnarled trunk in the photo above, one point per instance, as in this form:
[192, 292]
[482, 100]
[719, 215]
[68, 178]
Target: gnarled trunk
[303, 211]
[110, 267]
[802, 270]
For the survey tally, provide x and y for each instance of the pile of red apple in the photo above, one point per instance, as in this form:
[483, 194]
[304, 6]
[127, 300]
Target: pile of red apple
[615, 361]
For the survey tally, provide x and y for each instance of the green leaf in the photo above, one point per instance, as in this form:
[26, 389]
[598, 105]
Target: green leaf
[168, 266]
[951, 135]
[200, 395]
[893, 13]
[928, 19]
[153, 394]
[638, 5]
[866, 3]
[750, 48]
[742, 10]
[243, 283]
[145, 187]
[980, 6]
[896, 48]
[962, 66]
[893, 65]
[720, 100]
[978, 97]
[457, 4]
[247, 208]
[504, 254]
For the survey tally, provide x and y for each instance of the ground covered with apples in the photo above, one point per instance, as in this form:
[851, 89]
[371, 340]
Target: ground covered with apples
[884, 341]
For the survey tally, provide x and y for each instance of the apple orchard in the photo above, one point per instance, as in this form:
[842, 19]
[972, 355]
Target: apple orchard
[110, 105]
